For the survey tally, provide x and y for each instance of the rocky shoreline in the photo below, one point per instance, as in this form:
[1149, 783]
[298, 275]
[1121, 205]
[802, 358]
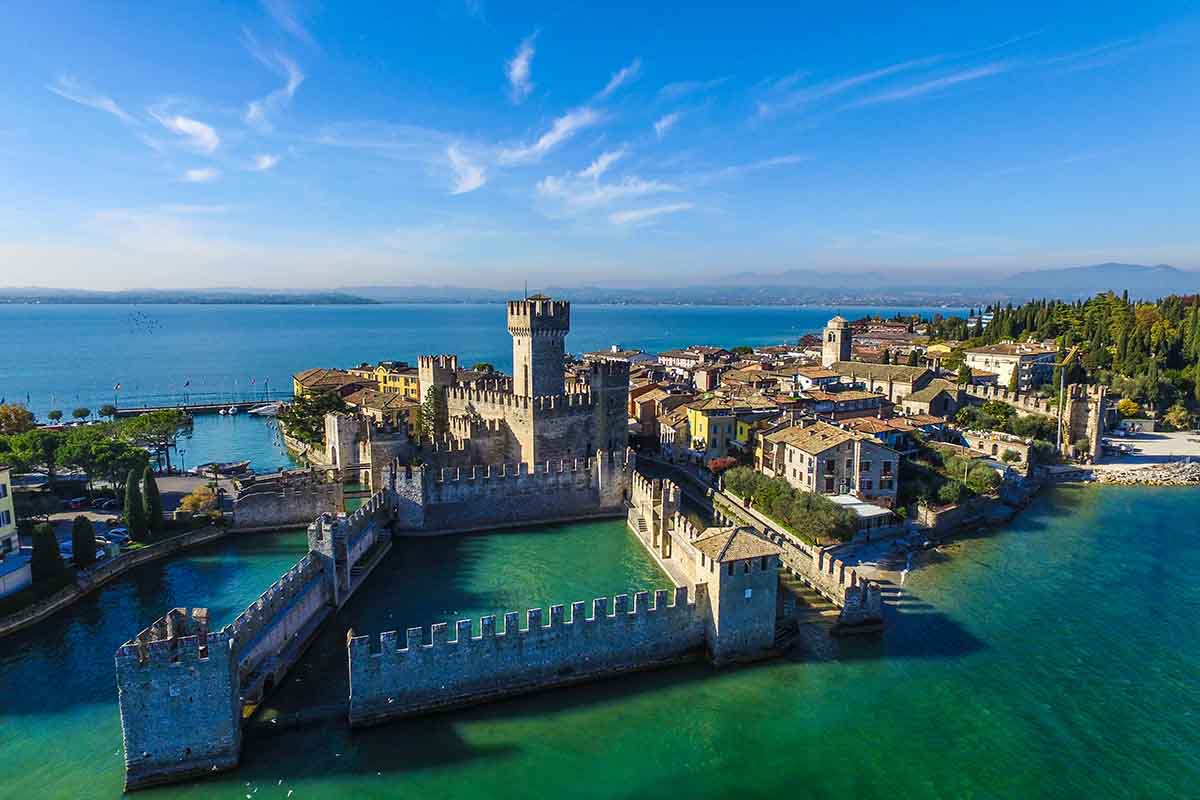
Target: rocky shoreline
[1178, 473]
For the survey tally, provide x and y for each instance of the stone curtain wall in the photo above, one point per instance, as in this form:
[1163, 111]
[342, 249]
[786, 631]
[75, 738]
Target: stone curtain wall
[495, 495]
[286, 506]
[416, 677]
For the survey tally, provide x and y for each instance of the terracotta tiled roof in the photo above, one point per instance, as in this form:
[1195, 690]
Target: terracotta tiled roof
[734, 544]
[879, 372]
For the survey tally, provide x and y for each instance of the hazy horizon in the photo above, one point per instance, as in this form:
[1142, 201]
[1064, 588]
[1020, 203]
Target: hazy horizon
[286, 144]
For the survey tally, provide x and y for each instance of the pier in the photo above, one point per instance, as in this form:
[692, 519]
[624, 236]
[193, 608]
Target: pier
[199, 408]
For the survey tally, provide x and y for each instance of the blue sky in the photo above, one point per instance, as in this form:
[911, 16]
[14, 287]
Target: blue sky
[317, 144]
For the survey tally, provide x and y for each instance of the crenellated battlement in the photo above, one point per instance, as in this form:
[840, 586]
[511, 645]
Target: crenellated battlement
[666, 602]
[258, 616]
[179, 636]
[566, 403]
[487, 397]
[610, 370]
[446, 361]
[539, 315]
[470, 427]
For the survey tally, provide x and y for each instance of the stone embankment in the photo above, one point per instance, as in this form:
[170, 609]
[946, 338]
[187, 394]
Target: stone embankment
[1178, 473]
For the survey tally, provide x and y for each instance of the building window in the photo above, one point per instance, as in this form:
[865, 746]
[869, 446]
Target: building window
[5, 518]
[3, 490]
[745, 567]
[866, 485]
[887, 468]
[729, 569]
[849, 463]
[864, 466]
[764, 563]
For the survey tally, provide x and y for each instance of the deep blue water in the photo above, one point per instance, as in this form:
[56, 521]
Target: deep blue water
[64, 356]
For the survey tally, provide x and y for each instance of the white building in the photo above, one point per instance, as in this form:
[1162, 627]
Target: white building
[1031, 361]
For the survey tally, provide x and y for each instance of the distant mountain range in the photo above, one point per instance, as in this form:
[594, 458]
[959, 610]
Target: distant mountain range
[791, 287]
[177, 297]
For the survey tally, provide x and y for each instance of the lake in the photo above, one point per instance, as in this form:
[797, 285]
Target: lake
[1054, 658]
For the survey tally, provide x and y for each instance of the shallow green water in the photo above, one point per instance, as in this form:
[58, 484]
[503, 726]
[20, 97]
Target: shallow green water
[1057, 658]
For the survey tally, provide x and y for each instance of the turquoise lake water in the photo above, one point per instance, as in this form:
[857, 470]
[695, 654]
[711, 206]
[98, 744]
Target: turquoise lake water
[65, 356]
[1054, 658]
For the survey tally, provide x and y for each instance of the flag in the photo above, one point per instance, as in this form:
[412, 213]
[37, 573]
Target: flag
[187, 383]
[252, 381]
[117, 388]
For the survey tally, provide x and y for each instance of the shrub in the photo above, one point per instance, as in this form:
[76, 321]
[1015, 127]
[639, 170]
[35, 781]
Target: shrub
[201, 500]
[151, 502]
[83, 542]
[135, 511]
[949, 492]
[1178, 417]
[46, 561]
[1129, 408]
[811, 516]
[1010, 456]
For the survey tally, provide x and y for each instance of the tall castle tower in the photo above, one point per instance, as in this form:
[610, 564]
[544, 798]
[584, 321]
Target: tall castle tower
[538, 326]
[836, 344]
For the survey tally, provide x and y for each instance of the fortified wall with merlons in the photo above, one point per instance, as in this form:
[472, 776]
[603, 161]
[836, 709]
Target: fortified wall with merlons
[185, 688]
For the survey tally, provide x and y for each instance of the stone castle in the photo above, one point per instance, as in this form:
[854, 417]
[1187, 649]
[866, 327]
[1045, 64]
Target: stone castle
[533, 417]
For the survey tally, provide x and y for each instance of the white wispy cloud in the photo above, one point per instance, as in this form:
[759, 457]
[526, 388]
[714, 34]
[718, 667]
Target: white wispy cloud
[736, 170]
[468, 176]
[201, 175]
[264, 162]
[199, 136]
[665, 123]
[601, 164]
[579, 193]
[260, 113]
[561, 129]
[519, 69]
[285, 16]
[620, 78]
[674, 91]
[937, 84]
[647, 214]
[72, 90]
[811, 94]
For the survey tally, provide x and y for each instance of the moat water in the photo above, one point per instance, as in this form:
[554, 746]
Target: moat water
[1054, 658]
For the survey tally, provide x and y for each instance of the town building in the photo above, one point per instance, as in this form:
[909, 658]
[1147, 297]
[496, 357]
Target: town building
[391, 408]
[894, 381]
[1031, 362]
[938, 398]
[337, 381]
[824, 458]
[713, 422]
[845, 404]
[805, 378]
[15, 573]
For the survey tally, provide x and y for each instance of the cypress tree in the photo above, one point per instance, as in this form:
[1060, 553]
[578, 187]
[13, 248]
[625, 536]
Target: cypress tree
[83, 542]
[151, 502]
[135, 511]
[46, 561]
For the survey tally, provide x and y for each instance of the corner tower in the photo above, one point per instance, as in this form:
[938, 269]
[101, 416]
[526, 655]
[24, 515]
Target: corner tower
[836, 343]
[539, 327]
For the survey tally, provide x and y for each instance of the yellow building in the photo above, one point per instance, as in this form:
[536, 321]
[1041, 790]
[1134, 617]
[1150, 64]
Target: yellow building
[15, 573]
[718, 424]
[391, 377]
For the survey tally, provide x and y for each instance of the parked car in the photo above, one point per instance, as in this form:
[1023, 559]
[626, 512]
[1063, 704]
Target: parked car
[77, 503]
[111, 504]
[118, 535]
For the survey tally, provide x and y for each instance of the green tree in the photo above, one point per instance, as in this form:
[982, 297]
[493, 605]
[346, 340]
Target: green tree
[15, 419]
[83, 542]
[151, 502]
[135, 510]
[108, 410]
[949, 492]
[304, 418]
[887, 356]
[1014, 380]
[46, 561]
[914, 358]
[81, 413]
[435, 416]
[37, 448]
[483, 366]
[964, 375]
[157, 431]
[1010, 456]
[54, 416]
[742, 350]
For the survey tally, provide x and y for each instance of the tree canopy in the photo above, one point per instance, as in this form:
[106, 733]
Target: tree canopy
[15, 419]
[304, 417]
[811, 516]
[157, 431]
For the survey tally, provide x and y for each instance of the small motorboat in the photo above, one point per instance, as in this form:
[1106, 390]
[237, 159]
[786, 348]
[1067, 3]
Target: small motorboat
[232, 410]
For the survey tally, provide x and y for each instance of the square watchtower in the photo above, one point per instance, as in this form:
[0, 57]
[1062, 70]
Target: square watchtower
[538, 326]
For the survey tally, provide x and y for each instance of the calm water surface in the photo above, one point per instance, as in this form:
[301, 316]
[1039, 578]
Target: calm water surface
[1056, 658]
